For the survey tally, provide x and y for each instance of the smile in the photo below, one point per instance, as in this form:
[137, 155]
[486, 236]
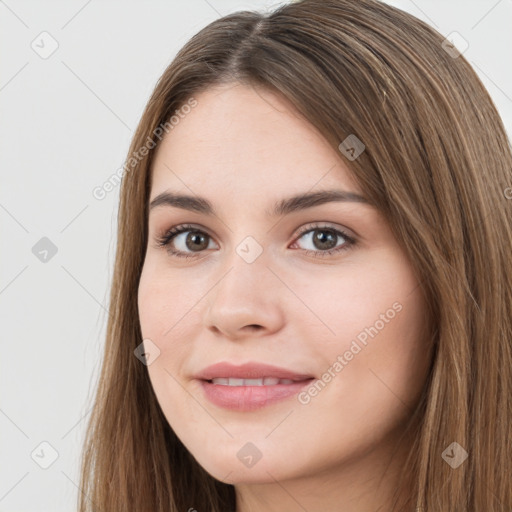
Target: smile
[249, 386]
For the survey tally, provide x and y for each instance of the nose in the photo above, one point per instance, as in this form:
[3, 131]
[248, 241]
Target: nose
[245, 302]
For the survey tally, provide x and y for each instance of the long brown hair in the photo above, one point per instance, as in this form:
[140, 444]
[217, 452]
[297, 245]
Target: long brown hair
[437, 163]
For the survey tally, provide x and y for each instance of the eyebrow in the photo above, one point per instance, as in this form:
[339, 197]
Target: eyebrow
[283, 207]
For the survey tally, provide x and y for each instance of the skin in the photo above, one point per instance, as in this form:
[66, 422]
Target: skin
[244, 149]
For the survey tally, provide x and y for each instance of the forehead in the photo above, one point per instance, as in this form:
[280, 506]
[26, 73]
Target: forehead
[238, 141]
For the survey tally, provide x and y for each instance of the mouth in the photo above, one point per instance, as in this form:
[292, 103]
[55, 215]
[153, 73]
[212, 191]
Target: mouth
[250, 386]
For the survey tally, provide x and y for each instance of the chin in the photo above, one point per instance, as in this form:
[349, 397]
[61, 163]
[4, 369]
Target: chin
[232, 470]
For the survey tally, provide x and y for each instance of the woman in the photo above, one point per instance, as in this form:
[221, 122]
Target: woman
[311, 304]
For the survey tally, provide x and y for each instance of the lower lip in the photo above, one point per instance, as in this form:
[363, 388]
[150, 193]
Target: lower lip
[249, 398]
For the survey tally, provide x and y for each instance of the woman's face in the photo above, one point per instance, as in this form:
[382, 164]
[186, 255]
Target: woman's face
[260, 280]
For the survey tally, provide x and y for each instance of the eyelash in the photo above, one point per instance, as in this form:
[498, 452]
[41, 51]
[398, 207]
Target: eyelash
[168, 236]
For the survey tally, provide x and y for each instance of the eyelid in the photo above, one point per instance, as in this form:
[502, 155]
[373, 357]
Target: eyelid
[326, 225]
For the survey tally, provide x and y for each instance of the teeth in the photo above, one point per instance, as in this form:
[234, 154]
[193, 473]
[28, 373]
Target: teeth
[266, 381]
[220, 380]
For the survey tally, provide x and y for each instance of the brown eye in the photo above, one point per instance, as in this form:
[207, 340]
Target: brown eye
[184, 241]
[325, 240]
[195, 241]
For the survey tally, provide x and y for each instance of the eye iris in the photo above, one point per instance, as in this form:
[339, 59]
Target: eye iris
[322, 239]
[194, 237]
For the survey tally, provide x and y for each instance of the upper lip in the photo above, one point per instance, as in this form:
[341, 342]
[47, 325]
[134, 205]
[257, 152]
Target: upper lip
[251, 370]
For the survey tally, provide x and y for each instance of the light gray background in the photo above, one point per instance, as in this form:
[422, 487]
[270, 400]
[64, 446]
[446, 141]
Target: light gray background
[66, 123]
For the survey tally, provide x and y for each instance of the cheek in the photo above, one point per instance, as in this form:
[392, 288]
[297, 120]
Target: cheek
[163, 301]
[396, 355]
[164, 311]
[151, 304]
[378, 326]
[170, 316]
[373, 291]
